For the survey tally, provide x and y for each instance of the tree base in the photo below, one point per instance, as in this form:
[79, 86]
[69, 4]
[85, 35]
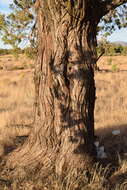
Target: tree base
[33, 157]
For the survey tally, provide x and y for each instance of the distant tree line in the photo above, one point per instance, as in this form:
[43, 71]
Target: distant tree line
[18, 29]
[28, 51]
[107, 49]
[111, 49]
[5, 51]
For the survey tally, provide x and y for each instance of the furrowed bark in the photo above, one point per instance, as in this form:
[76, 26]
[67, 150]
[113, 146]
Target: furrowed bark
[63, 133]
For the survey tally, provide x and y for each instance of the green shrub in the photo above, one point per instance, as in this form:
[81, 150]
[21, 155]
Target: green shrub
[114, 68]
[30, 52]
[5, 51]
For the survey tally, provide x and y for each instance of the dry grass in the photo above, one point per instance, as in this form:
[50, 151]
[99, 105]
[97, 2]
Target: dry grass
[16, 99]
[16, 107]
[9, 62]
[51, 181]
[107, 62]
[16, 96]
[111, 106]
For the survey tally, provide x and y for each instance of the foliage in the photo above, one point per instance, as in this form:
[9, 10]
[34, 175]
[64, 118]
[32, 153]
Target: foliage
[111, 49]
[5, 51]
[16, 28]
[114, 68]
[30, 52]
[115, 19]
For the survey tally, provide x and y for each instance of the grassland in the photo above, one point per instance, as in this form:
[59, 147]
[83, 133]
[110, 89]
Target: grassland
[111, 102]
[16, 108]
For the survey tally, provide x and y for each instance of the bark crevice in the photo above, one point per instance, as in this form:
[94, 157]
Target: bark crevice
[63, 134]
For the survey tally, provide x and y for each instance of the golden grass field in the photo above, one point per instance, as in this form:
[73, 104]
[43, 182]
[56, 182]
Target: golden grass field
[16, 97]
[16, 108]
[111, 93]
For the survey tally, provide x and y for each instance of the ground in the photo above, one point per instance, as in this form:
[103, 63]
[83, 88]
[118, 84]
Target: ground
[17, 108]
[111, 103]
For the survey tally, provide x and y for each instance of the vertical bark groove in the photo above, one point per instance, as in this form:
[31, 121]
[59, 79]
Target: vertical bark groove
[63, 133]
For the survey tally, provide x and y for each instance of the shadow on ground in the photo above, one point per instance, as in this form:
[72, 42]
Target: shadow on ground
[113, 143]
[116, 150]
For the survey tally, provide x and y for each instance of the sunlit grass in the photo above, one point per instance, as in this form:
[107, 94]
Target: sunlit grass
[16, 107]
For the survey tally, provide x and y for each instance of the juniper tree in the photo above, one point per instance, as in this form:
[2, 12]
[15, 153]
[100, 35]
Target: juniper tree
[16, 28]
[63, 132]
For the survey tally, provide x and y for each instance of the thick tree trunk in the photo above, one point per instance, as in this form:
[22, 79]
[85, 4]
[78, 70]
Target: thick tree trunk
[63, 134]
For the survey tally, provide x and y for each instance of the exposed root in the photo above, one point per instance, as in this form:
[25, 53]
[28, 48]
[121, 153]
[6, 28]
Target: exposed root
[35, 157]
[30, 156]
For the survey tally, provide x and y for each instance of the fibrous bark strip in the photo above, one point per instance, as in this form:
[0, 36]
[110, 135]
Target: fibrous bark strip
[63, 134]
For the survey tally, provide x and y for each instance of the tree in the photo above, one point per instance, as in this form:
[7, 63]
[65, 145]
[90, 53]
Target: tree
[16, 28]
[63, 132]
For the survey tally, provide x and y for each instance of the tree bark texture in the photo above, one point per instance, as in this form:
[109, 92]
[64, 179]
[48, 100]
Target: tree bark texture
[63, 133]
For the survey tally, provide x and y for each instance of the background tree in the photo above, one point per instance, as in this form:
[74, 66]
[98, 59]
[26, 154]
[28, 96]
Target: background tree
[111, 49]
[18, 28]
[63, 133]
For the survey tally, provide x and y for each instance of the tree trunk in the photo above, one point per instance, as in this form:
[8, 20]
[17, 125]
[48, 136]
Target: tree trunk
[63, 133]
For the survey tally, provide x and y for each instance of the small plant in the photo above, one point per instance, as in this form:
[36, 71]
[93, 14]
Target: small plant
[30, 52]
[109, 61]
[114, 68]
